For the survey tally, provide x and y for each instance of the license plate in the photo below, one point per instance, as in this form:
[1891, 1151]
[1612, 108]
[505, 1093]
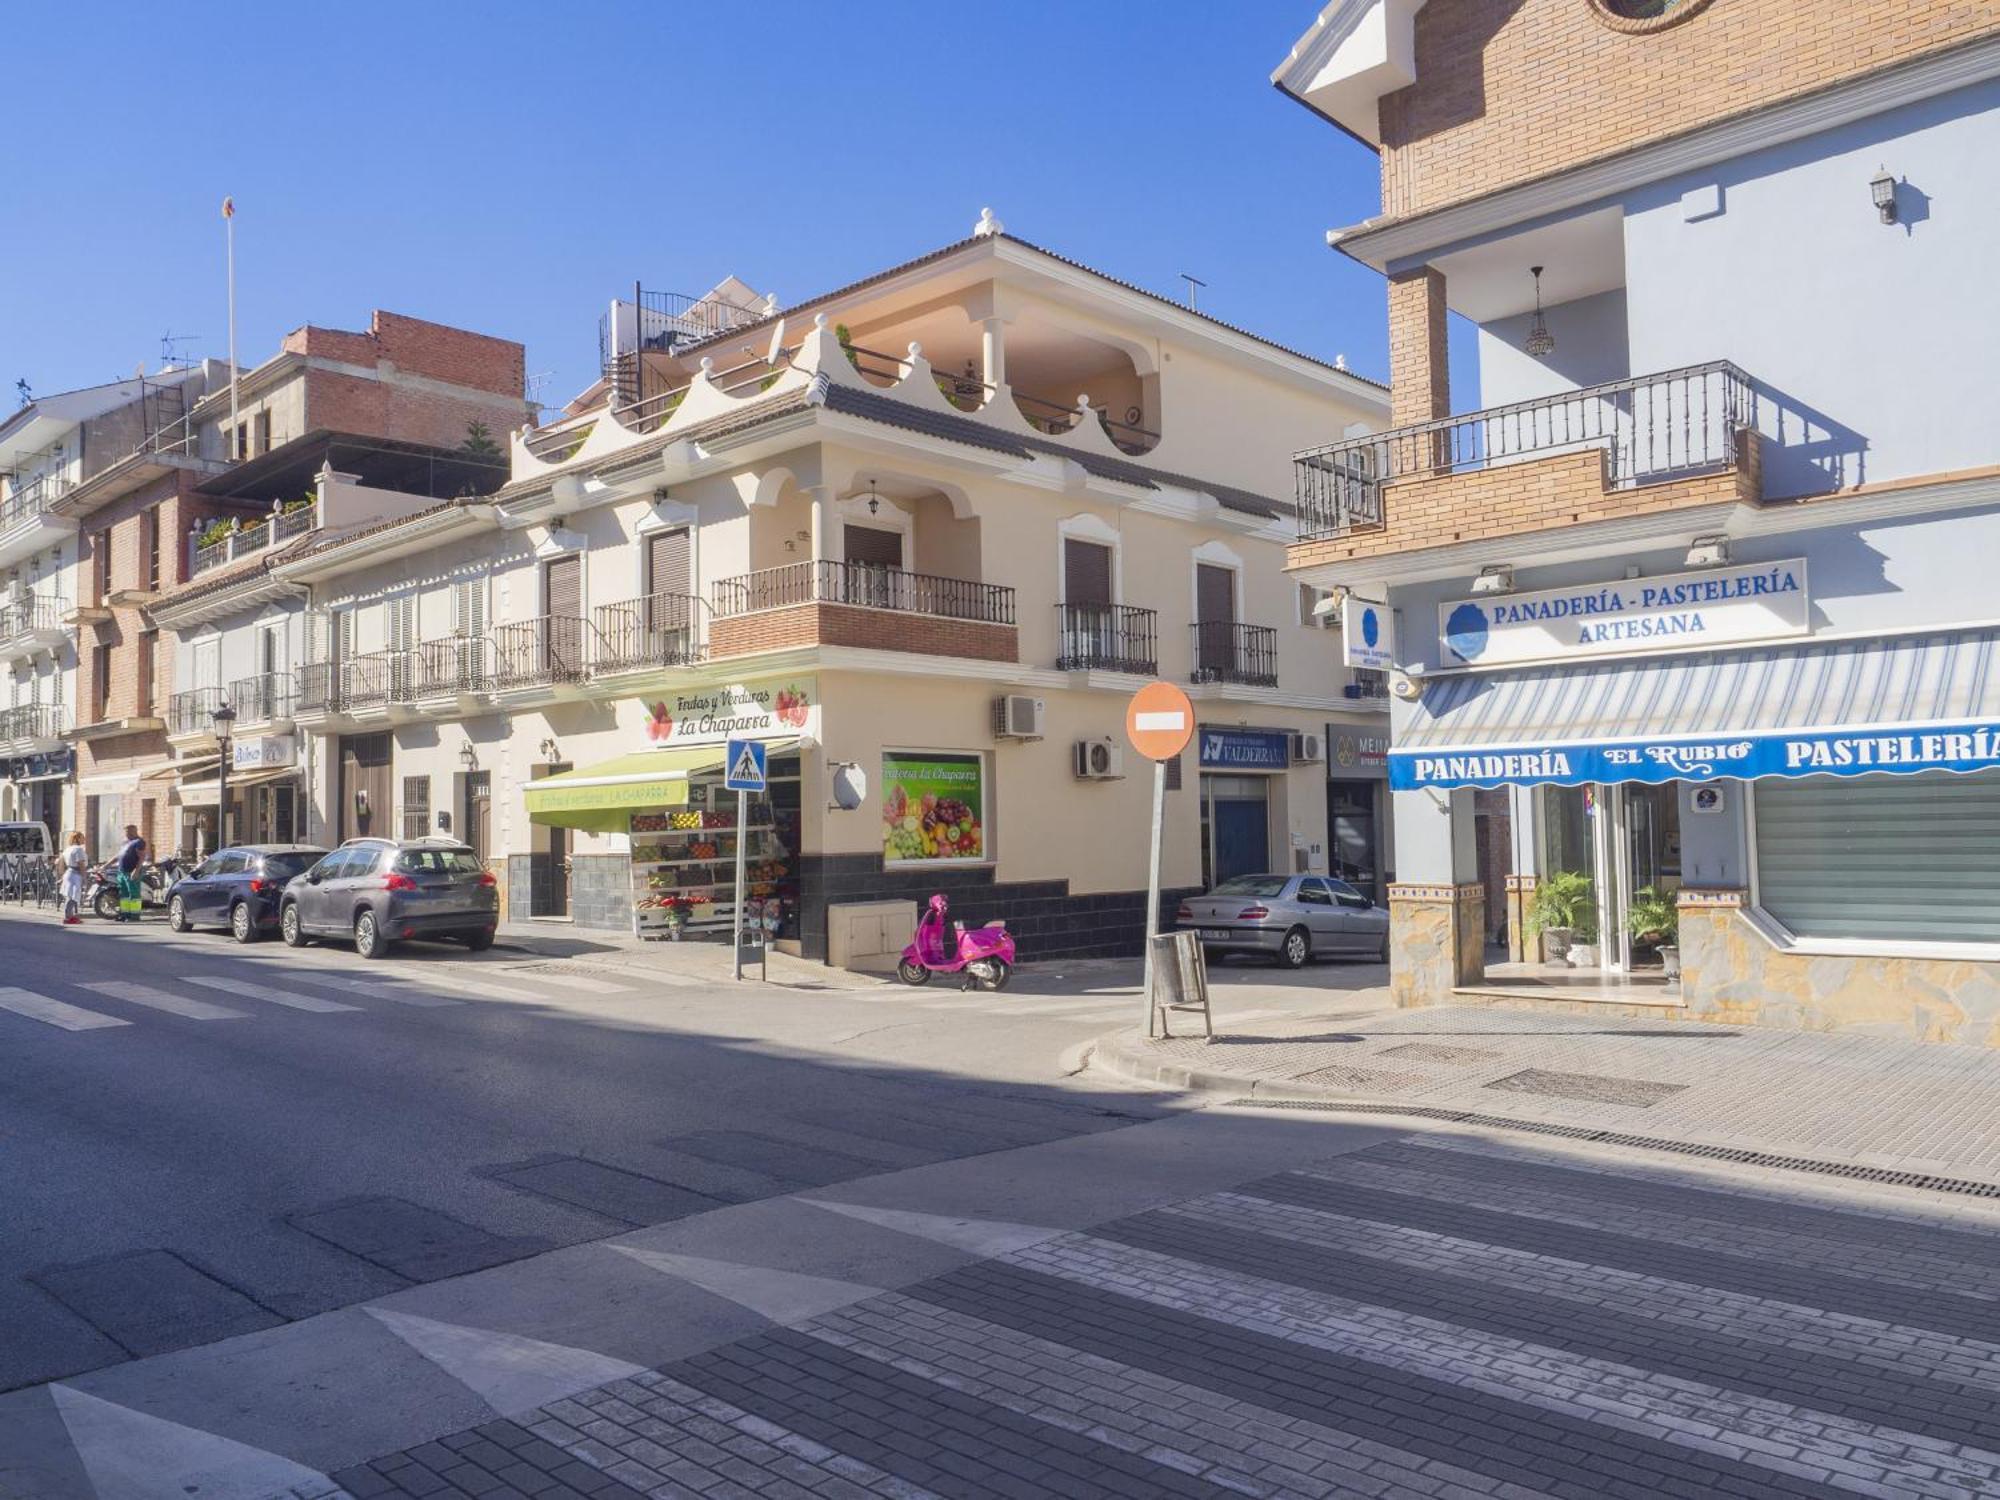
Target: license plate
[1217, 934]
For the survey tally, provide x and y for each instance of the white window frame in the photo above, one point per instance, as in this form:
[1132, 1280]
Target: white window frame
[1085, 527]
[988, 795]
[666, 515]
[1783, 938]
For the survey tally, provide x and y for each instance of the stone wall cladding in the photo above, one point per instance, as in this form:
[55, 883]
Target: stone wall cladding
[1520, 499]
[600, 891]
[1487, 112]
[1437, 941]
[1732, 974]
[871, 629]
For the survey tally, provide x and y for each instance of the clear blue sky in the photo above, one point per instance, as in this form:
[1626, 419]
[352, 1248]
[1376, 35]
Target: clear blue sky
[510, 168]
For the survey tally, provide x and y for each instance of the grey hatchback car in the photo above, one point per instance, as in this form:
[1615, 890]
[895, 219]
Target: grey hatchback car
[380, 891]
[1290, 918]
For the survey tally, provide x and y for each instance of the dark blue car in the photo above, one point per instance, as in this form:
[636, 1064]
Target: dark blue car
[238, 888]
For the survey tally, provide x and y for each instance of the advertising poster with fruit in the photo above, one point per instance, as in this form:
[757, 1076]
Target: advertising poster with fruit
[757, 710]
[933, 808]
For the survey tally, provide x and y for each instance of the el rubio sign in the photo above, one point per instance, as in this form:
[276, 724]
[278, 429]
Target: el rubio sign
[1707, 608]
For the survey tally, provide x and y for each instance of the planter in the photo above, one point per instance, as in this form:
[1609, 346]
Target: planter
[1670, 960]
[1555, 945]
[1583, 955]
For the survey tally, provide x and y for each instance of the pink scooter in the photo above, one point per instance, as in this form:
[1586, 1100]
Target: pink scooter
[983, 957]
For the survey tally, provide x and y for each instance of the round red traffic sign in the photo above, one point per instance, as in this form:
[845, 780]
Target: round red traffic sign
[1159, 721]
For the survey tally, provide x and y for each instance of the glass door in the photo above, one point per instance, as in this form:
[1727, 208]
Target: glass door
[1613, 836]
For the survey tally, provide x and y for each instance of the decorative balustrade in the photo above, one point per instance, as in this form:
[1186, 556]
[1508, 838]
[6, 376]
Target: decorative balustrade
[1107, 638]
[263, 698]
[1225, 651]
[31, 723]
[658, 630]
[193, 711]
[865, 586]
[544, 651]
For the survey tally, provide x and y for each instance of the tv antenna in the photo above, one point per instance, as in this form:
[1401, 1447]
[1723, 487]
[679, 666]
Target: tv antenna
[169, 355]
[536, 384]
[21, 389]
[1192, 283]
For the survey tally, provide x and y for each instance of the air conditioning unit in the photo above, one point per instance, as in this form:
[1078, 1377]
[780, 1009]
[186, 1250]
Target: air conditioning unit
[1308, 749]
[1099, 760]
[1016, 717]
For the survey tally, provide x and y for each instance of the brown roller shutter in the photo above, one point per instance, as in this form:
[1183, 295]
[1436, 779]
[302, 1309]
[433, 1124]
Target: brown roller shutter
[668, 562]
[875, 547]
[1086, 572]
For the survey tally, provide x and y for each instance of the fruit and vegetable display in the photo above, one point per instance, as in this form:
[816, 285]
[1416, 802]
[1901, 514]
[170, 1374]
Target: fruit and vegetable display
[683, 877]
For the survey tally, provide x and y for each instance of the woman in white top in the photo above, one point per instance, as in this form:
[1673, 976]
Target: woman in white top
[74, 863]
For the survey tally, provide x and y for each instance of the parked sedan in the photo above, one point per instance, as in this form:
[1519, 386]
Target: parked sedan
[1290, 918]
[238, 888]
[379, 891]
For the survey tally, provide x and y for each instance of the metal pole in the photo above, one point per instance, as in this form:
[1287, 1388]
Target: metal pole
[1153, 883]
[229, 232]
[736, 925]
[222, 796]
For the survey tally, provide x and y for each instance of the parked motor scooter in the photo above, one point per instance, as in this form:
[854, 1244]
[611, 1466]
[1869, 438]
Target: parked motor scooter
[982, 957]
[100, 891]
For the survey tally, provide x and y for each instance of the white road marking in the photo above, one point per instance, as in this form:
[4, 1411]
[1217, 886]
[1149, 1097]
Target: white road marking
[479, 989]
[55, 1012]
[250, 989]
[564, 982]
[511, 1372]
[166, 1000]
[133, 1455]
[381, 990]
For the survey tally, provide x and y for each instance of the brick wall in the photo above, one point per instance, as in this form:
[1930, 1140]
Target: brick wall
[476, 360]
[874, 629]
[348, 403]
[1419, 365]
[1519, 499]
[1506, 92]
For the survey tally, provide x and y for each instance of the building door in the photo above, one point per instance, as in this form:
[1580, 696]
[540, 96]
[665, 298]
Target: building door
[548, 864]
[364, 793]
[1215, 617]
[477, 814]
[562, 598]
[1238, 822]
[1351, 837]
[873, 558]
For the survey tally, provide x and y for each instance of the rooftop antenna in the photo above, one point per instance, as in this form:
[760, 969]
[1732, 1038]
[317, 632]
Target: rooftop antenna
[21, 389]
[169, 355]
[1192, 283]
[534, 385]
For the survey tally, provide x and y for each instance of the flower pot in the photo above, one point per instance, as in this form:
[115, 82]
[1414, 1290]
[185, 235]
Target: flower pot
[1670, 960]
[1583, 955]
[1555, 945]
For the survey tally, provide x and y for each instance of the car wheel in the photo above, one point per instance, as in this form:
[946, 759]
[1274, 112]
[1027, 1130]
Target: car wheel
[177, 916]
[1295, 950]
[912, 973]
[479, 941]
[368, 939]
[106, 904]
[290, 928]
[242, 926]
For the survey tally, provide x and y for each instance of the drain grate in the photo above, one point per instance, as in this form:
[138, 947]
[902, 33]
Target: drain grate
[1733, 1155]
[1360, 1078]
[1433, 1052]
[1591, 1088]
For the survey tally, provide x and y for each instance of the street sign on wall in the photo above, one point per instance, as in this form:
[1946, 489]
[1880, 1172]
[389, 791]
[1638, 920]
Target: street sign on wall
[1367, 635]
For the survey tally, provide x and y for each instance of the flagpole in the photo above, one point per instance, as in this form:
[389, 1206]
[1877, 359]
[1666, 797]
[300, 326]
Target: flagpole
[229, 233]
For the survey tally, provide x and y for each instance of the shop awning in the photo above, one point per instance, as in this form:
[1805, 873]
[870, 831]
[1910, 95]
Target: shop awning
[1843, 708]
[600, 798]
[205, 790]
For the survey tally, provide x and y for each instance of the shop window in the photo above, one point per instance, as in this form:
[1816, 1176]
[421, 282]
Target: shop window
[1881, 858]
[416, 807]
[934, 808]
[683, 859]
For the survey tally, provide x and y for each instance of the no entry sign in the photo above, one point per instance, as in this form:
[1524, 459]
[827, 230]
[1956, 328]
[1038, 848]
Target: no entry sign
[1159, 721]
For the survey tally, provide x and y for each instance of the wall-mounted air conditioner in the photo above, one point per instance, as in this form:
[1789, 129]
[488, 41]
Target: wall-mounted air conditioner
[1099, 760]
[1308, 748]
[1017, 717]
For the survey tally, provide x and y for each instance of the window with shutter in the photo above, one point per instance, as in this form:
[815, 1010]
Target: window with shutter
[873, 546]
[668, 557]
[1086, 572]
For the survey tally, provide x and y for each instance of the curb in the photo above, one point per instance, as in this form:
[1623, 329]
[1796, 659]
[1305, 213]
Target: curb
[1116, 1054]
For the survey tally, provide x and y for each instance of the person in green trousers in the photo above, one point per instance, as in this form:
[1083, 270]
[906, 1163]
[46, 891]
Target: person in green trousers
[130, 858]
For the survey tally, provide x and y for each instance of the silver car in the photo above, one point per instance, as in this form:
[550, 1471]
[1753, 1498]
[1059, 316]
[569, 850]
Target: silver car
[1290, 918]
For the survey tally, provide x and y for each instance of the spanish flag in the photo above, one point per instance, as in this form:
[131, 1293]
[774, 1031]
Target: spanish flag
[228, 208]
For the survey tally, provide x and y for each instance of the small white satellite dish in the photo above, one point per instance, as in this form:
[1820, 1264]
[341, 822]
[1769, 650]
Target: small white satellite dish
[847, 786]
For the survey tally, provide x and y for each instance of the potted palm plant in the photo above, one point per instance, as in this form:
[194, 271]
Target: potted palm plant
[1654, 918]
[1563, 913]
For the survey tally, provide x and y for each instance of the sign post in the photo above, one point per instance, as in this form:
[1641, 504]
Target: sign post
[743, 773]
[1159, 722]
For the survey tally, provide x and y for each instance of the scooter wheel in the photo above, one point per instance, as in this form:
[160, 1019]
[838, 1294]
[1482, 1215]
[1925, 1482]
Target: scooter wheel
[1002, 972]
[912, 973]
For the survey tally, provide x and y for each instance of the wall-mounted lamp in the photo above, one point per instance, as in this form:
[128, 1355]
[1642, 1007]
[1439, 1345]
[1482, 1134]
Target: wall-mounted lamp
[1882, 188]
[1541, 343]
[1494, 578]
[1708, 552]
[468, 756]
[551, 752]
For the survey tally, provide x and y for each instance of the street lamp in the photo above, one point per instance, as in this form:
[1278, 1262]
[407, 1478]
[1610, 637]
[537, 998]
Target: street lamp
[224, 716]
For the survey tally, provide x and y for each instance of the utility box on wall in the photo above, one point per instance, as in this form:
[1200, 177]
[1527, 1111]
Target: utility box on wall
[869, 936]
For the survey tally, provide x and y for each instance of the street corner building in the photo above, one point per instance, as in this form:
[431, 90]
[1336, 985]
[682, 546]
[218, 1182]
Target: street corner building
[1694, 665]
[923, 536]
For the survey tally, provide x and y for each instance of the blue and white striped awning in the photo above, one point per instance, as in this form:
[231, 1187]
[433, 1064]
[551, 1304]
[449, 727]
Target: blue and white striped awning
[1842, 708]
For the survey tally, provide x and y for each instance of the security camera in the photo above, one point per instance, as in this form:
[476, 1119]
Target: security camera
[1405, 687]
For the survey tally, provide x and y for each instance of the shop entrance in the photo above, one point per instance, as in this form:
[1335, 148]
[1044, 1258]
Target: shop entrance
[548, 859]
[1350, 817]
[1235, 828]
[1624, 840]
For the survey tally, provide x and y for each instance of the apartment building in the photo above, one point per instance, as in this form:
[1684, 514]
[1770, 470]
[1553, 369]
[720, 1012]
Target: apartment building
[1689, 615]
[923, 535]
[334, 435]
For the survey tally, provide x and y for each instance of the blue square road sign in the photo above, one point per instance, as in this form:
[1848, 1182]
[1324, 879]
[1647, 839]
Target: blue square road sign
[743, 766]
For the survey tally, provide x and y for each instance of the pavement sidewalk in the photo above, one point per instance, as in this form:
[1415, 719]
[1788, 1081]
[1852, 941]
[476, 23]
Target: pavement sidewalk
[1858, 1101]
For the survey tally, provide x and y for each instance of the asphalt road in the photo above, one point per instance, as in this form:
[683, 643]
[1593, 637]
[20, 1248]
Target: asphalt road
[185, 1160]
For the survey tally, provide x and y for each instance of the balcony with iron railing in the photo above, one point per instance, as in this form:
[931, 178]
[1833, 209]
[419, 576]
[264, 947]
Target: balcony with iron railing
[861, 605]
[241, 537]
[1225, 651]
[658, 630]
[192, 712]
[547, 651]
[31, 623]
[1107, 638]
[263, 698]
[27, 524]
[456, 666]
[1623, 436]
[32, 726]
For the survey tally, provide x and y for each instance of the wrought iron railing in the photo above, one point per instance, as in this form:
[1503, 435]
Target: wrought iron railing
[1650, 428]
[25, 500]
[262, 698]
[294, 520]
[659, 630]
[1107, 638]
[454, 665]
[867, 586]
[32, 614]
[319, 687]
[372, 679]
[32, 721]
[193, 711]
[1225, 651]
[548, 649]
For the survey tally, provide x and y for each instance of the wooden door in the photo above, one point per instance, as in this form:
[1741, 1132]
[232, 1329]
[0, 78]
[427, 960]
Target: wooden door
[1215, 615]
[364, 785]
[562, 600]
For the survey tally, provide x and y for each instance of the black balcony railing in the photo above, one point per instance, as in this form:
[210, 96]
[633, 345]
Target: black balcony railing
[1651, 428]
[454, 666]
[262, 698]
[373, 679]
[31, 497]
[659, 630]
[32, 614]
[1107, 638]
[1225, 651]
[546, 650]
[32, 721]
[193, 711]
[867, 586]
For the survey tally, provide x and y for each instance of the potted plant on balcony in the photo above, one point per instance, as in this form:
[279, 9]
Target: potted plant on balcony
[1654, 918]
[1564, 908]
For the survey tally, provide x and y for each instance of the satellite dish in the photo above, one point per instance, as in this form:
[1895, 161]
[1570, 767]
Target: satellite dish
[847, 785]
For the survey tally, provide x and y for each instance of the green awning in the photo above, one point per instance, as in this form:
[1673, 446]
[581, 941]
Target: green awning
[600, 798]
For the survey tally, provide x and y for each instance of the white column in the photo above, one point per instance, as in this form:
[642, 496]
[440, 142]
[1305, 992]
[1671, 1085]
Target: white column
[821, 495]
[993, 350]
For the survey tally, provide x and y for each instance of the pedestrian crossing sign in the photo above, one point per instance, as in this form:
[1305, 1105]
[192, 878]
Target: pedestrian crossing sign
[743, 766]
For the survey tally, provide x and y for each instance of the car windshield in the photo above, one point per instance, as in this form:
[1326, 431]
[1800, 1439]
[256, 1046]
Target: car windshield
[438, 862]
[20, 840]
[1261, 886]
[285, 866]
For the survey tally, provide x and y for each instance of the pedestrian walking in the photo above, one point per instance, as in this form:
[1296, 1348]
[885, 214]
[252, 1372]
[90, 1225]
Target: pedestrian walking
[130, 858]
[75, 861]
